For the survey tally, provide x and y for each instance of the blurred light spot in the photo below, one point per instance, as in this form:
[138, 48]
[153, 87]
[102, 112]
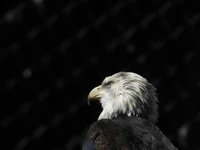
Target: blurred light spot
[113, 44]
[38, 1]
[76, 72]
[183, 133]
[33, 33]
[43, 95]
[51, 20]
[157, 46]
[10, 16]
[27, 73]
[189, 56]
[60, 83]
[100, 20]
[142, 58]
[14, 14]
[25, 108]
[14, 47]
[69, 7]
[64, 45]
[183, 130]
[177, 32]
[6, 122]
[40, 131]
[165, 7]
[171, 70]
[194, 19]
[184, 95]
[57, 119]
[129, 33]
[22, 143]
[117, 8]
[82, 32]
[168, 107]
[45, 59]
[147, 19]
[130, 48]
[11, 83]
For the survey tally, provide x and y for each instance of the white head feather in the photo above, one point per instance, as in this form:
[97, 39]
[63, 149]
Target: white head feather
[129, 94]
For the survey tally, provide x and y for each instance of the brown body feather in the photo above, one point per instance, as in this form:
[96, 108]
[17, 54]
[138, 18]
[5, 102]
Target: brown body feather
[127, 133]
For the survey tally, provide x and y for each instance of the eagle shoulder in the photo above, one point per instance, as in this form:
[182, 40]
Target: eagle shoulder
[106, 135]
[126, 133]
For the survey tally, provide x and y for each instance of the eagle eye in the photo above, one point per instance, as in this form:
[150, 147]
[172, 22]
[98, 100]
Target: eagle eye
[108, 84]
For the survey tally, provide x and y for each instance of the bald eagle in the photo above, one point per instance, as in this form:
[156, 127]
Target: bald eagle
[127, 121]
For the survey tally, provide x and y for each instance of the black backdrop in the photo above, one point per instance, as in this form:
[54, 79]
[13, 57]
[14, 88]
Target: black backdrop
[52, 53]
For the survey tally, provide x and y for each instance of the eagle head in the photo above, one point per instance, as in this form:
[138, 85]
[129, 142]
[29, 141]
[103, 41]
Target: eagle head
[126, 93]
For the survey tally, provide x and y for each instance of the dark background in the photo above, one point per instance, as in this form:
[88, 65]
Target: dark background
[52, 53]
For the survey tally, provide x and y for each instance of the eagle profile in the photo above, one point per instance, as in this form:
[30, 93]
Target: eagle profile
[127, 121]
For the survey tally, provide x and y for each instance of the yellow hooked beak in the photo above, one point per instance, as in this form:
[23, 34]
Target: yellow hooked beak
[95, 94]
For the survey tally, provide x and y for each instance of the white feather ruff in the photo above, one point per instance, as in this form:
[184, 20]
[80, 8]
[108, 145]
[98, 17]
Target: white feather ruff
[123, 96]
